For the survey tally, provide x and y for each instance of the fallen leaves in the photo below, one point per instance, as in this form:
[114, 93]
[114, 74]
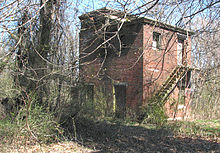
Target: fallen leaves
[60, 147]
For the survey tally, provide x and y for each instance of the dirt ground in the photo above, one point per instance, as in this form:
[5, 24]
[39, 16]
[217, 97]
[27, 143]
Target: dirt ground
[105, 137]
[114, 138]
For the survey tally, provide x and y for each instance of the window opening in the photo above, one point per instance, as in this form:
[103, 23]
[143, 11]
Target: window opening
[156, 40]
[180, 51]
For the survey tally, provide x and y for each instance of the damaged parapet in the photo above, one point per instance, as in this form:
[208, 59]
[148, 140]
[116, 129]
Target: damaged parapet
[108, 16]
[104, 16]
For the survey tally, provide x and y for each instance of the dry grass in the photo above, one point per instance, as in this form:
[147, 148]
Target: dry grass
[115, 137]
[61, 147]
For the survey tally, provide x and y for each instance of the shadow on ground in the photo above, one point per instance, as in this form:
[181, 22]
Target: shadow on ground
[105, 137]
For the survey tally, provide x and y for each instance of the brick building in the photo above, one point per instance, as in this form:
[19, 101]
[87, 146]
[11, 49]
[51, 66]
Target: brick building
[130, 59]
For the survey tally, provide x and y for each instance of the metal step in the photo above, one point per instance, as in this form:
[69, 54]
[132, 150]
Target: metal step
[169, 84]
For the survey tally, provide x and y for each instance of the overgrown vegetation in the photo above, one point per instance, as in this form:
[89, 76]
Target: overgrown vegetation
[153, 112]
[24, 120]
[33, 126]
[7, 88]
[93, 106]
[198, 128]
[206, 98]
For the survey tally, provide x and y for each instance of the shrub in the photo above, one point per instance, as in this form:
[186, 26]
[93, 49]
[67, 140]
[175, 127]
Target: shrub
[42, 124]
[153, 112]
[7, 89]
[33, 126]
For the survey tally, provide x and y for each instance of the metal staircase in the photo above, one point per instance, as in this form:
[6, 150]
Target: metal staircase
[160, 97]
[170, 84]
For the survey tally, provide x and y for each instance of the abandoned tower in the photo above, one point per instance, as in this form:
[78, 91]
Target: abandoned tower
[130, 59]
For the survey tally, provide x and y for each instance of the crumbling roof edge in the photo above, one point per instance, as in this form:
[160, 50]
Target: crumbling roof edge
[104, 9]
[143, 20]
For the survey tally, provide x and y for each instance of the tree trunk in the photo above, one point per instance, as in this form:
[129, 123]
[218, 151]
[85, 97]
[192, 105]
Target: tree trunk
[44, 48]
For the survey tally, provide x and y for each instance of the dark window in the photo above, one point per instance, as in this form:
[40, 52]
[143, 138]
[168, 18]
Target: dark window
[156, 40]
[180, 40]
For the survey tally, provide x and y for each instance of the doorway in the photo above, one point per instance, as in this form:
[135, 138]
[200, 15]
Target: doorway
[120, 97]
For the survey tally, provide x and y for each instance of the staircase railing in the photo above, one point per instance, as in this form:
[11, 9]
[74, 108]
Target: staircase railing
[170, 84]
[159, 98]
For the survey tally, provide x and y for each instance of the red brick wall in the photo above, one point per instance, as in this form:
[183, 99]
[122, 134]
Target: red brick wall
[178, 110]
[142, 69]
[158, 64]
[129, 69]
[126, 69]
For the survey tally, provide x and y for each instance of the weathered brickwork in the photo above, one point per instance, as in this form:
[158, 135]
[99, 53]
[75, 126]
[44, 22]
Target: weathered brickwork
[159, 63]
[127, 69]
[127, 58]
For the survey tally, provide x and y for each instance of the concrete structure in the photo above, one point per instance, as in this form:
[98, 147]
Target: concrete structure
[130, 59]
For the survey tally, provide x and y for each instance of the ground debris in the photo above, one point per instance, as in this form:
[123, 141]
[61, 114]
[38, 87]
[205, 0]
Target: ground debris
[60, 147]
